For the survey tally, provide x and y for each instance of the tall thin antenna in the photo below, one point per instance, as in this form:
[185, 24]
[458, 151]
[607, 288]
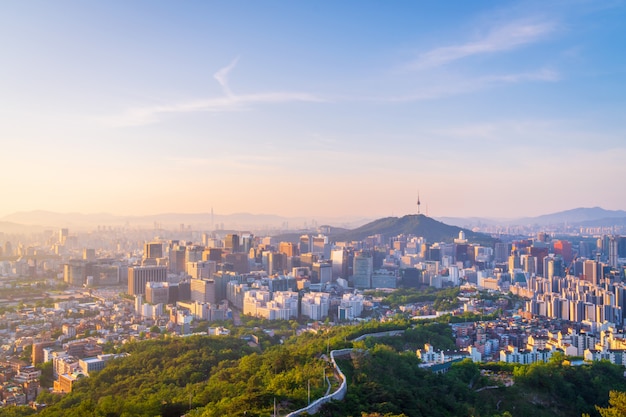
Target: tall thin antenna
[418, 202]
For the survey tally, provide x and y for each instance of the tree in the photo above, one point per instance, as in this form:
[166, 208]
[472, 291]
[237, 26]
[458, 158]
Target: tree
[617, 405]
[46, 378]
[27, 353]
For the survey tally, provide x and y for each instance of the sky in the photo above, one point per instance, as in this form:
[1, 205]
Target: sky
[321, 108]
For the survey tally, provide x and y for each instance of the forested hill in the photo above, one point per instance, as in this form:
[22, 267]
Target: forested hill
[415, 224]
[223, 377]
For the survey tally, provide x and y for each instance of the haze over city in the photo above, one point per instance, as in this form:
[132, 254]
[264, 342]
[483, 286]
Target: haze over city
[501, 109]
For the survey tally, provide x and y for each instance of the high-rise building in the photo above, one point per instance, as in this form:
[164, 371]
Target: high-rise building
[564, 248]
[288, 248]
[212, 254]
[246, 242]
[63, 234]
[193, 253]
[305, 244]
[529, 264]
[307, 259]
[362, 270]
[552, 267]
[319, 245]
[239, 261]
[202, 269]
[539, 252]
[89, 254]
[177, 259]
[514, 261]
[231, 242]
[8, 249]
[203, 290]
[157, 292]
[339, 258]
[138, 276]
[322, 272]
[590, 271]
[614, 251]
[277, 263]
[585, 249]
[153, 250]
[222, 278]
[75, 272]
[621, 247]
[315, 305]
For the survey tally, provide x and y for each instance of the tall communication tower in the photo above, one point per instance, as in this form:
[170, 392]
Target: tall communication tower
[418, 202]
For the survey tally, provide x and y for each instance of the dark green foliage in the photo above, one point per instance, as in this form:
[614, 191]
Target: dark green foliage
[155, 379]
[223, 377]
[16, 411]
[403, 296]
[47, 379]
[383, 381]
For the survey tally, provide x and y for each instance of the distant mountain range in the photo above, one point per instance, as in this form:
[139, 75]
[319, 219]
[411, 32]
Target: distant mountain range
[37, 221]
[589, 217]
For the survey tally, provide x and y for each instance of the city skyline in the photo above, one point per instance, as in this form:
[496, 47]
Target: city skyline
[490, 109]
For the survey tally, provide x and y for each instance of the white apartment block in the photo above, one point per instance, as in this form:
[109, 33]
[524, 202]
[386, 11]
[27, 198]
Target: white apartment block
[353, 303]
[315, 305]
[525, 356]
[258, 303]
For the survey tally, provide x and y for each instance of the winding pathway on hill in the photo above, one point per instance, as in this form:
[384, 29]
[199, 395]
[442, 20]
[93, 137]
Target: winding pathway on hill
[340, 393]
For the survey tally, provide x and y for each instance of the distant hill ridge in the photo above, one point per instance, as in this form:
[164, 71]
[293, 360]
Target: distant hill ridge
[582, 216]
[413, 224]
[205, 221]
[38, 220]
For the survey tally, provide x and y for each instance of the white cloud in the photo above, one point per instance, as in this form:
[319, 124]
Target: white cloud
[463, 85]
[501, 38]
[222, 76]
[229, 102]
[544, 74]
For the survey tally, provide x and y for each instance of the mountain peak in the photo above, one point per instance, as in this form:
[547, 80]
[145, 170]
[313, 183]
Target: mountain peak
[412, 224]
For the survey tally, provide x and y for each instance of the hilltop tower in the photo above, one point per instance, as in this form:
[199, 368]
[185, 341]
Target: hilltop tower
[418, 202]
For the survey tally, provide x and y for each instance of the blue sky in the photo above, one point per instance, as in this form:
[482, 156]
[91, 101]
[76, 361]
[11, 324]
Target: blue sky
[488, 108]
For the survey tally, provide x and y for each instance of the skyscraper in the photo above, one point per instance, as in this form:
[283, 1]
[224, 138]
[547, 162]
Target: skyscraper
[231, 241]
[564, 248]
[138, 276]
[613, 250]
[203, 290]
[153, 250]
[63, 234]
[362, 270]
[288, 248]
[590, 271]
[74, 272]
[305, 244]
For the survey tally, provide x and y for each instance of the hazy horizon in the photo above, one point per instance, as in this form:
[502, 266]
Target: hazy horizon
[328, 109]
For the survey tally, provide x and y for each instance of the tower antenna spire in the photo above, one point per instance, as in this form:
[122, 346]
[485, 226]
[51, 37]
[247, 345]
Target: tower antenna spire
[418, 202]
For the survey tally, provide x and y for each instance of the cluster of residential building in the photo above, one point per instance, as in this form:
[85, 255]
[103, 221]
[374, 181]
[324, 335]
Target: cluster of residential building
[170, 283]
[19, 383]
[525, 342]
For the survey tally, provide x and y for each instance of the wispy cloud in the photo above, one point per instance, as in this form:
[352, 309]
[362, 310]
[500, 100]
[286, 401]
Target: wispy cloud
[441, 89]
[229, 102]
[501, 38]
[222, 76]
[545, 74]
